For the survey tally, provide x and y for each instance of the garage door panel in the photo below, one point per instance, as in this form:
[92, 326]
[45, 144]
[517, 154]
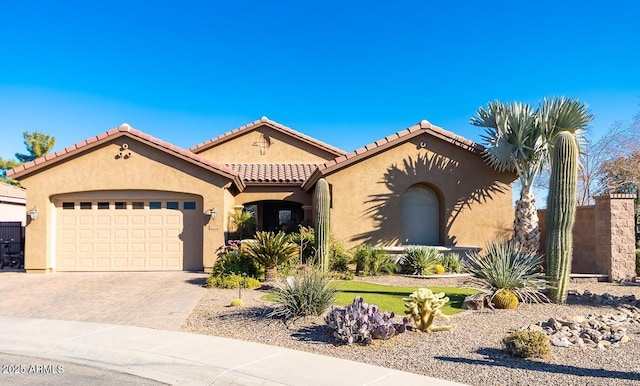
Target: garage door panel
[155, 219]
[85, 234]
[85, 262]
[138, 220]
[172, 220]
[85, 247]
[68, 220]
[155, 233]
[141, 234]
[121, 234]
[155, 247]
[103, 233]
[103, 219]
[138, 234]
[103, 248]
[173, 247]
[85, 220]
[138, 247]
[120, 220]
[120, 247]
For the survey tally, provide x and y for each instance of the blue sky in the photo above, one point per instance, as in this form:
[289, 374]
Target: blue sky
[345, 72]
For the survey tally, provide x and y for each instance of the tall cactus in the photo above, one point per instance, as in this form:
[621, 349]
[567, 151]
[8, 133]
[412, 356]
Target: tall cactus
[561, 214]
[321, 210]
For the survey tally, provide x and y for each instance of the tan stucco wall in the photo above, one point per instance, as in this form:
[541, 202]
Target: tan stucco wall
[10, 211]
[366, 197]
[99, 169]
[283, 149]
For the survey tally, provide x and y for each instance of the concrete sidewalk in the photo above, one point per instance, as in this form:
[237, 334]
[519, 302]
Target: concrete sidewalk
[180, 358]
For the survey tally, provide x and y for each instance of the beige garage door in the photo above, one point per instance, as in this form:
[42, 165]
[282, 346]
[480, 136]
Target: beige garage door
[132, 232]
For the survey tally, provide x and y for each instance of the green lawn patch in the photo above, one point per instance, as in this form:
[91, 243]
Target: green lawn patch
[389, 298]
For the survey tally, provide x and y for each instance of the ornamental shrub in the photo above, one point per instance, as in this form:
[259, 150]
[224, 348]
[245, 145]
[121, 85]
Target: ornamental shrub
[638, 262]
[231, 280]
[371, 261]
[308, 293]
[527, 344]
[452, 263]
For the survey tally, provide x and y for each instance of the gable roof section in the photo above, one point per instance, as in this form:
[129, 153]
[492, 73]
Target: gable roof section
[264, 121]
[125, 130]
[12, 194]
[383, 144]
[259, 174]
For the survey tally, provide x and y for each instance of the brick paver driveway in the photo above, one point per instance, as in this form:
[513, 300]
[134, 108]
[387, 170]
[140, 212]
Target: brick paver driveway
[161, 300]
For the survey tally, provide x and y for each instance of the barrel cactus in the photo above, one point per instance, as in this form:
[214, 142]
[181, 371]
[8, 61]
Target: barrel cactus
[322, 223]
[561, 212]
[505, 300]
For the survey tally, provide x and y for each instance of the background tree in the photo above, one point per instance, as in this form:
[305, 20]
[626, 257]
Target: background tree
[37, 144]
[520, 139]
[598, 160]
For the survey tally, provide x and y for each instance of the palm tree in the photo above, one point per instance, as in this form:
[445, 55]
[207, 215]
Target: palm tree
[242, 223]
[270, 249]
[520, 139]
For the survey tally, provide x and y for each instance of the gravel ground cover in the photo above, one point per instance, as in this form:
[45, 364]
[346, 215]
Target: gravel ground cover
[472, 353]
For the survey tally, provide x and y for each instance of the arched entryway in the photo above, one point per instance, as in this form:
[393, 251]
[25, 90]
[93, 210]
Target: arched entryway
[420, 216]
[277, 216]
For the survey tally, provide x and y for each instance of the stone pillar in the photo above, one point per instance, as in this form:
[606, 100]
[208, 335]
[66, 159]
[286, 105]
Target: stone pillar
[615, 235]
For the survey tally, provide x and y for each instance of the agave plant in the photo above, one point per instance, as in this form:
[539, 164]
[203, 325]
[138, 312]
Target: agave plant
[506, 266]
[271, 249]
[420, 261]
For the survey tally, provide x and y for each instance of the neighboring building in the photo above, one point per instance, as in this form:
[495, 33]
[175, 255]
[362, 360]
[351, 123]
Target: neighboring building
[12, 204]
[126, 201]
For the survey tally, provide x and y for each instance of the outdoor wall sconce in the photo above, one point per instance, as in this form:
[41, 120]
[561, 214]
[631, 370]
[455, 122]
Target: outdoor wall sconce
[212, 212]
[33, 213]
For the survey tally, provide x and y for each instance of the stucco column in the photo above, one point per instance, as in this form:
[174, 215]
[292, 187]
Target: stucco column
[615, 235]
[308, 219]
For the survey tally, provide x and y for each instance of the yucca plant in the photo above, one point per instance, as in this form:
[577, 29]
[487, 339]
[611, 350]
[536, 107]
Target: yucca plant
[371, 261]
[420, 261]
[308, 293]
[506, 266]
[270, 250]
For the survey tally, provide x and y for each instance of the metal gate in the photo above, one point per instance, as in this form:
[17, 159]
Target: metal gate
[11, 244]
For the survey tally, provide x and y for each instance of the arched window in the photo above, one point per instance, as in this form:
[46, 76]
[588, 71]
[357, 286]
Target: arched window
[420, 216]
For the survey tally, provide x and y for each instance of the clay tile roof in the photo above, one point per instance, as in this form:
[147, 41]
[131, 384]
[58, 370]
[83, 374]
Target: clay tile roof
[423, 126]
[273, 173]
[125, 129]
[262, 122]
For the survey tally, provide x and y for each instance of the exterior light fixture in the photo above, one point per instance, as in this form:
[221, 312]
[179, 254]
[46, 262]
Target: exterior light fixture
[33, 213]
[212, 212]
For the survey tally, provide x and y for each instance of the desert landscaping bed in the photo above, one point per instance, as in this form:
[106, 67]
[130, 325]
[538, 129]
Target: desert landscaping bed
[472, 353]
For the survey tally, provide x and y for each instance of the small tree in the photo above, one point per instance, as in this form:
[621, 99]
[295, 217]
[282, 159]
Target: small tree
[37, 144]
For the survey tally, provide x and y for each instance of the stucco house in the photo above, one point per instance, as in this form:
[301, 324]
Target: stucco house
[124, 200]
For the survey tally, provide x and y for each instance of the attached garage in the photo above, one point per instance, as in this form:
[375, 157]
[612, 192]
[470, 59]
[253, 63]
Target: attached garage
[128, 231]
